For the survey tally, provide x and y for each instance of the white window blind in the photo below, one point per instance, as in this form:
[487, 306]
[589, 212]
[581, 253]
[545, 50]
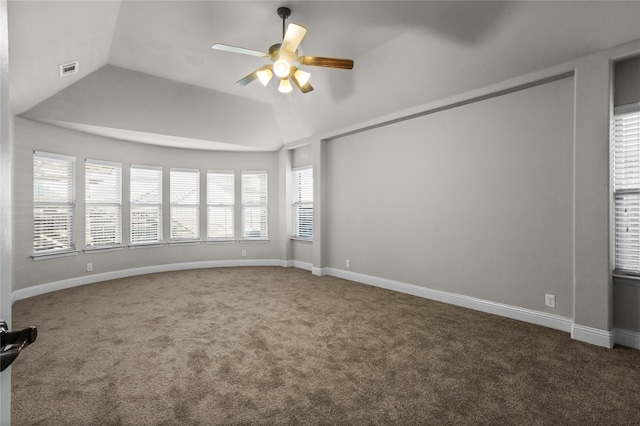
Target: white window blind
[103, 204]
[626, 183]
[185, 204]
[220, 205]
[53, 203]
[303, 202]
[146, 204]
[254, 205]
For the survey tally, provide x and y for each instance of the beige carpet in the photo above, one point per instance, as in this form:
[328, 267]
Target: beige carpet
[269, 345]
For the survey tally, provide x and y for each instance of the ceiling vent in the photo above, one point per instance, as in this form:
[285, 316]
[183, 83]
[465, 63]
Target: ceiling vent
[70, 68]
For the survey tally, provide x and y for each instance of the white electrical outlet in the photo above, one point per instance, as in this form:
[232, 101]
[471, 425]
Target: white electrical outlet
[244, 253]
[348, 264]
[550, 300]
[89, 267]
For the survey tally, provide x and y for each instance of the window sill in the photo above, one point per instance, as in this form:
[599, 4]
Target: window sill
[47, 256]
[185, 243]
[146, 245]
[219, 241]
[632, 280]
[102, 249]
[246, 240]
[302, 240]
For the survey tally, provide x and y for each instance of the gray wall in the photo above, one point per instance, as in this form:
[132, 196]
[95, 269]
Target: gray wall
[474, 200]
[30, 136]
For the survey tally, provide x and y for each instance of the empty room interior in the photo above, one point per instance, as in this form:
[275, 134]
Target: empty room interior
[320, 212]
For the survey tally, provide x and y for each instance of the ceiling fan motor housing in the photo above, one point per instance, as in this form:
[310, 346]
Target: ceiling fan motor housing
[284, 12]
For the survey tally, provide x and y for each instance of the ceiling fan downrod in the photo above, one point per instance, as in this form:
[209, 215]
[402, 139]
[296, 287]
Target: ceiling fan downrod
[284, 13]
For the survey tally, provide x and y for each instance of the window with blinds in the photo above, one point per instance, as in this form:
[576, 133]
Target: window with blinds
[220, 205]
[146, 204]
[185, 204]
[53, 203]
[302, 202]
[102, 204]
[254, 205]
[626, 187]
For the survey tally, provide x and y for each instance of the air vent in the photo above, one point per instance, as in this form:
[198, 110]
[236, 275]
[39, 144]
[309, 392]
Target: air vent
[70, 68]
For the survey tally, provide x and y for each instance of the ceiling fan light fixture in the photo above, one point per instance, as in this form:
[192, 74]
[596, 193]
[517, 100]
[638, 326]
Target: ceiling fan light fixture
[281, 68]
[302, 77]
[265, 76]
[285, 86]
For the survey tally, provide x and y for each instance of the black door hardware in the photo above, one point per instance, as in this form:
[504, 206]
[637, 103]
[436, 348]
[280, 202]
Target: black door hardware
[12, 342]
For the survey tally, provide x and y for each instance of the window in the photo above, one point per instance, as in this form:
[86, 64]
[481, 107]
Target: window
[53, 203]
[220, 205]
[254, 205]
[185, 205]
[303, 202]
[626, 187]
[103, 204]
[146, 205]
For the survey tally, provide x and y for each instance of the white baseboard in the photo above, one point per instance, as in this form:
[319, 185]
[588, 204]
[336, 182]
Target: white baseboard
[627, 338]
[595, 336]
[556, 322]
[578, 332]
[321, 272]
[301, 265]
[37, 290]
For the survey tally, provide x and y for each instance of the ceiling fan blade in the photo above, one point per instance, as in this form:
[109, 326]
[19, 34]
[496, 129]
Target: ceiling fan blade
[317, 61]
[242, 50]
[305, 88]
[249, 78]
[293, 37]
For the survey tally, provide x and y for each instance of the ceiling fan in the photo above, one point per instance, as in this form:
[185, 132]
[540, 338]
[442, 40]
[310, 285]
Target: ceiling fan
[284, 55]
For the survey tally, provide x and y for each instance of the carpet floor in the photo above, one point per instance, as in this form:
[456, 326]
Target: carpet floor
[270, 345]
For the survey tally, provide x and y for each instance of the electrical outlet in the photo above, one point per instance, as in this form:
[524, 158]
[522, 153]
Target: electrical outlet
[89, 267]
[550, 300]
[348, 264]
[244, 253]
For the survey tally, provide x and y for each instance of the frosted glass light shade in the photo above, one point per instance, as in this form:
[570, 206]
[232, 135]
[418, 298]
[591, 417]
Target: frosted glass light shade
[265, 76]
[285, 86]
[281, 68]
[302, 77]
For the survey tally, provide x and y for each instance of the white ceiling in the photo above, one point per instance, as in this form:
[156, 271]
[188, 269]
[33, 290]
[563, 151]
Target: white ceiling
[148, 74]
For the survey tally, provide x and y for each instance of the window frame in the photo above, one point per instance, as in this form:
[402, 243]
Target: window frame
[214, 204]
[175, 206]
[116, 241]
[136, 206]
[248, 203]
[625, 196]
[301, 198]
[68, 204]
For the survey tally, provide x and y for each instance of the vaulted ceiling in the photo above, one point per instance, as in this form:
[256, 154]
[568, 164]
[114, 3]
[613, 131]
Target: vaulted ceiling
[147, 72]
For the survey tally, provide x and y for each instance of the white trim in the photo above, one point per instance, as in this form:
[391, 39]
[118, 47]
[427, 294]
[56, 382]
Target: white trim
[320, 272]
[95, 249]
[627, 338]
[595, 336]
[145, 166]
[103, 163]
[54, 255]
[301, 265]
[578, 332]
[182, 169]
[54, 156]
[25, 293]
[556, 322]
